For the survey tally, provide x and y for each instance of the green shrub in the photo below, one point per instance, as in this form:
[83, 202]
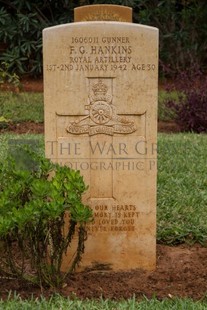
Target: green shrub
[182, 38]
[21, 25]
[40, 212]
[6, 76]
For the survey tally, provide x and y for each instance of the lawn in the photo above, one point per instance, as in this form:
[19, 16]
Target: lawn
[21, 107]
[61, 303]
[182, 184]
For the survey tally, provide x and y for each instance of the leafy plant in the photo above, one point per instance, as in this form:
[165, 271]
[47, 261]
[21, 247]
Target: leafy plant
[182, 41]
[21, 25]
[40, 213]
[190, 106]
[3, 122]
[6, 76]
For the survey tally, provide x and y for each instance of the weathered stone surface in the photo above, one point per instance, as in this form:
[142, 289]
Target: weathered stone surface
[100, 89]
[104, 12]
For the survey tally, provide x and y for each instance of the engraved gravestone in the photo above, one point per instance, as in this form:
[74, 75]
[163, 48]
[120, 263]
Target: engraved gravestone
[100, 92]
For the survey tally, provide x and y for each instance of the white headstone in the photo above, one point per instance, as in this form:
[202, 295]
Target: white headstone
[100, 92]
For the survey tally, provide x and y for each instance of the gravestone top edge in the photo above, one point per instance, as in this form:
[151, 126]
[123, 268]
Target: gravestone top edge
[92, 23]
[103, 5]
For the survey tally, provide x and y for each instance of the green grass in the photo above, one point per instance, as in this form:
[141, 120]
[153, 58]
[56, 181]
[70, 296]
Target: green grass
[29, 106]
[22, 107]
[182, 188]
[61, 303]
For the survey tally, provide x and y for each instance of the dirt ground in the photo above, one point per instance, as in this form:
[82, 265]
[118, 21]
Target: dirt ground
[181, 271]
[31, 127]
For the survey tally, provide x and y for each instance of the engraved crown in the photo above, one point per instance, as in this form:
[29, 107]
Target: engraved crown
[99, 88]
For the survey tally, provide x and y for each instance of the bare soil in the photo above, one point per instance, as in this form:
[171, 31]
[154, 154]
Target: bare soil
[32, 127]
[24, 127]
[26, 84]
[181, 271]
